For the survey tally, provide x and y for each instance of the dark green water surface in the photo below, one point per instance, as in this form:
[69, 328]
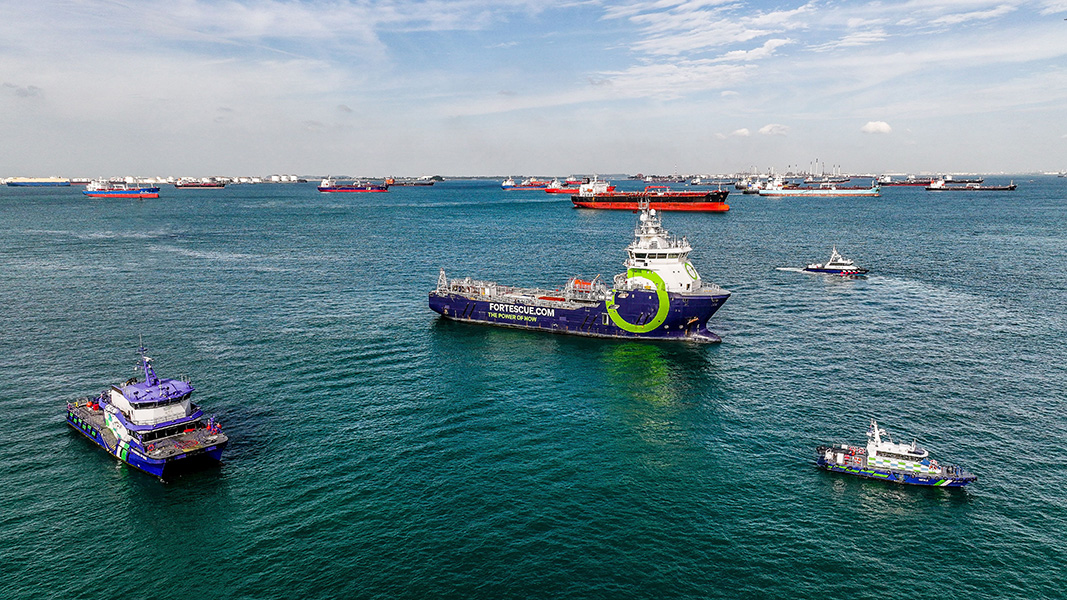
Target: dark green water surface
[380, 452]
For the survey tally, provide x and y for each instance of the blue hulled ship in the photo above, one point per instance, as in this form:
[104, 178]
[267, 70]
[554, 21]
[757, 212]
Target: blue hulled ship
[661, 296]
[151, 425]
[887, 460]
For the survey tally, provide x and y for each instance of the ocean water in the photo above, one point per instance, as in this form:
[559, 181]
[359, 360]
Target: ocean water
[381, 452]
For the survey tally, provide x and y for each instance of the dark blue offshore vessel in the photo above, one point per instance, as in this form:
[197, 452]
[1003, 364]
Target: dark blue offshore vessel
[661, 296]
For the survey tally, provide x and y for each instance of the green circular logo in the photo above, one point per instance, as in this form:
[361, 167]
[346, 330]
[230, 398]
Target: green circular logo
[689, 269]
[661, 311]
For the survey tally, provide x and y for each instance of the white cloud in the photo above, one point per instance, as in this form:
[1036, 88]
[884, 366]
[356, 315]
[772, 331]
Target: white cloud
[675, 79]
[852, 40]
[958, 18]
[1052, 7]
[774, 129]
[876, 127]
[741, 132]
[764, 51]
[674, 28]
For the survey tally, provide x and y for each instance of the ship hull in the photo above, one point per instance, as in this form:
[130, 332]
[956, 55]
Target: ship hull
[123, 194]
[849, 272]
[132, 456]
[375, 188]
[929, 480]
[39, 183]
[710, 201]
[700, 206]
[635, 314]
[850, 193]
[988, 188]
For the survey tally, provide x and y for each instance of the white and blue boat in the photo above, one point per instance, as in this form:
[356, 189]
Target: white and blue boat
[837, 265]
[887, 460]
[151, 425]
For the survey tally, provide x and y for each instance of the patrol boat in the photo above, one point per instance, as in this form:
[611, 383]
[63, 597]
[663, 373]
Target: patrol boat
[660, 296]
[837, 265]
[890, 461]
[150, 425]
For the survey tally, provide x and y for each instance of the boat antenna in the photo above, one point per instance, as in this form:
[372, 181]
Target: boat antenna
[149, 373]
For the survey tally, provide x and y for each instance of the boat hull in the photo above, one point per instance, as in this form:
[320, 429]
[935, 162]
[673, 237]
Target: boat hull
[929, 480]
[710, 201]
[818, 193]
[139, 194]
[989, 188]
[633, 314]
[845, 272]
[717, 206]
[38, 183]
[344, 189]
[132, 455]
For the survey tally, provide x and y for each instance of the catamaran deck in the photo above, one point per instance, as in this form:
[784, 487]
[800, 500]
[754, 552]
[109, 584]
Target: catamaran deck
[163, 448]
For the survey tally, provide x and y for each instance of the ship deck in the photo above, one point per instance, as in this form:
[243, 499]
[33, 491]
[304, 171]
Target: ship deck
[491, 292]
[160, 449]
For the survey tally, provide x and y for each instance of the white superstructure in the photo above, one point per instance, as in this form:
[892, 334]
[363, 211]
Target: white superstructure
[887, 454]
[655, 253]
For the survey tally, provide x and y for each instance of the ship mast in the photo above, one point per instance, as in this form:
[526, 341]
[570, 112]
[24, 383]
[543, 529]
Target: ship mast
[149, 373]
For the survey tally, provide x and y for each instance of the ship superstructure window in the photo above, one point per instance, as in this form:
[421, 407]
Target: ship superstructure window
[897, 456]
[148, 436]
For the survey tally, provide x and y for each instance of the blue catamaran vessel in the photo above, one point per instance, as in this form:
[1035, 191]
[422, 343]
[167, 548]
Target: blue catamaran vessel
[890, 461]
[660, 296]
[151, 425]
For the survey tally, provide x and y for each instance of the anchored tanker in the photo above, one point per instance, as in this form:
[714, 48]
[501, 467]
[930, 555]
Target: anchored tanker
[660, 296]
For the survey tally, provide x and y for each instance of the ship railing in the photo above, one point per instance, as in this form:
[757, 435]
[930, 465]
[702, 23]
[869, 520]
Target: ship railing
[706, 286]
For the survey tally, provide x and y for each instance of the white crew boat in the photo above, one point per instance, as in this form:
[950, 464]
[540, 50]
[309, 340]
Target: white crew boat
[837, 265]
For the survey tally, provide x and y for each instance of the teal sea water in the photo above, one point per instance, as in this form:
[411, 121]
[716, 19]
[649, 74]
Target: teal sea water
[380, 452]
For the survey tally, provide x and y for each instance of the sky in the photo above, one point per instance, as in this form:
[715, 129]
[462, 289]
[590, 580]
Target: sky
[530, 87]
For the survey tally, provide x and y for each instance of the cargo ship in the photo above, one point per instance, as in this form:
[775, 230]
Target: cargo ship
[197, 184]
[102, 188]
[571, 187]
[332, 185]
[777, 187]
[600, 194]
[911, 180]
[37, 181]
[423, 181]
[151, 425]
[889, 461]
[945, 185]
[660, 296]
[526, 184]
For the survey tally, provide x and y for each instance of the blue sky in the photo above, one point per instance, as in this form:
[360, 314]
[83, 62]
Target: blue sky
[202, 87]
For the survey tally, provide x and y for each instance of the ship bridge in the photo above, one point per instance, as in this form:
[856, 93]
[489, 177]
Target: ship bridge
[655, 254]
